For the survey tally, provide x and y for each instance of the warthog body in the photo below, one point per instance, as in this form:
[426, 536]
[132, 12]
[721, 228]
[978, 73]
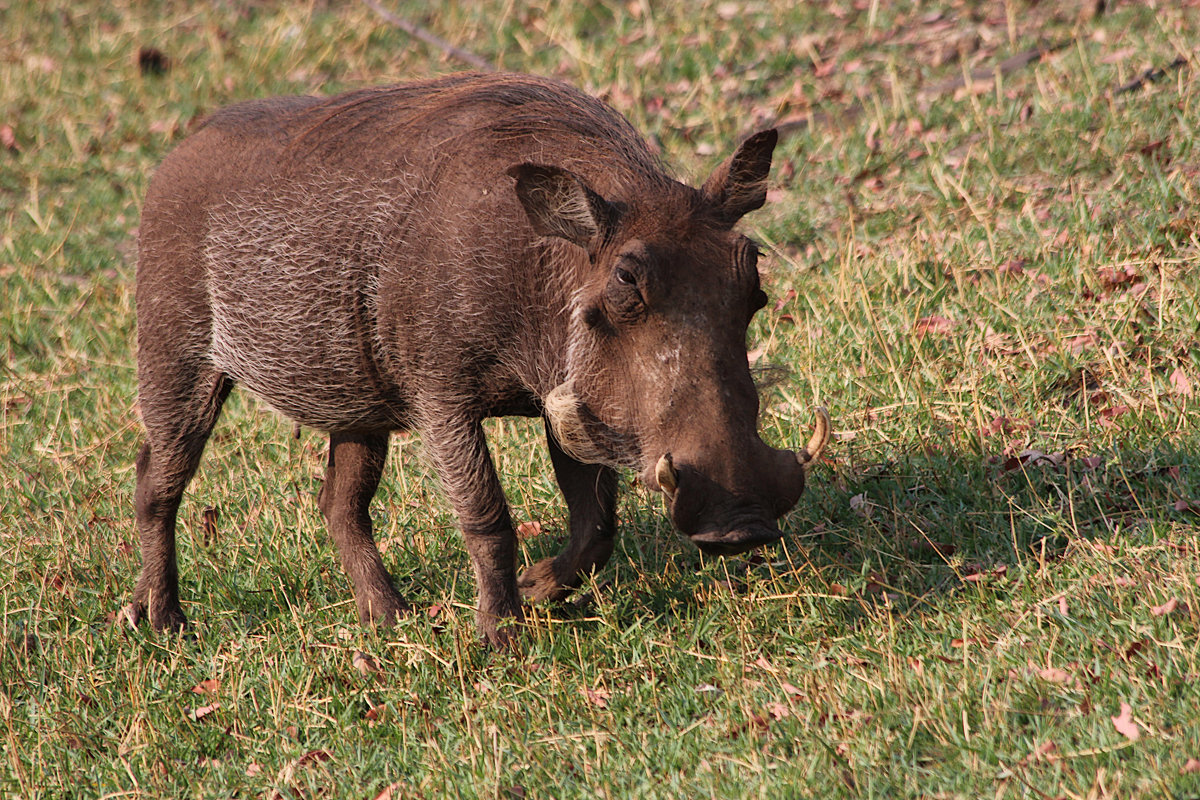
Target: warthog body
[428, 255]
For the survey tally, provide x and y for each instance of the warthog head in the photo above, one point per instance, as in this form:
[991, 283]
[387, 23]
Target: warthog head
[656, 372]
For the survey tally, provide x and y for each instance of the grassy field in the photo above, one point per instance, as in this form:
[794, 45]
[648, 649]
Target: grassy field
[989, 275]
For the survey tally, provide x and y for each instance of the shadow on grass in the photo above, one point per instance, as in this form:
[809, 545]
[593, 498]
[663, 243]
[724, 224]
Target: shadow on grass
[907, 531]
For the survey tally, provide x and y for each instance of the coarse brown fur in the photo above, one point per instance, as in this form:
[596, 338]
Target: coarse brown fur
[428, 255]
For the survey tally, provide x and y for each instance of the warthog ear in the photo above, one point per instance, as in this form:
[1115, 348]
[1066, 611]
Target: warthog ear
[560, 204]
[739, 185]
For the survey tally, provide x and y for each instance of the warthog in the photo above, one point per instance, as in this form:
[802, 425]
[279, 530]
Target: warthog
[428, 255]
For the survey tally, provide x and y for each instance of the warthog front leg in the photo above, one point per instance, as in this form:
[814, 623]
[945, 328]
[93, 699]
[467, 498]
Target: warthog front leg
[458, 447]
[591, 494]
[355, 466]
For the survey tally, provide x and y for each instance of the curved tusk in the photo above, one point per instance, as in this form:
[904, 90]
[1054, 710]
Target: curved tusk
[667, 476]
[816, 445]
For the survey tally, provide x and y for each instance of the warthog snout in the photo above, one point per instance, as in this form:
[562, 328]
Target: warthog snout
[723, 520]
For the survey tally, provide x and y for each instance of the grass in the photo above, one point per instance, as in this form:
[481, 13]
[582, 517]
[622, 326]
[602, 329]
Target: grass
[992, 287]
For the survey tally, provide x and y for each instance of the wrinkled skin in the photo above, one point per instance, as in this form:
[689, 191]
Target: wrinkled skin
[426, 256]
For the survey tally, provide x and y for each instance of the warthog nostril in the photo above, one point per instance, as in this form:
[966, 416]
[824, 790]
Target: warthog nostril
[667, 476]
[816, 445]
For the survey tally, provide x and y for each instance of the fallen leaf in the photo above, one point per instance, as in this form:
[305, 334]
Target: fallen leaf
[1113, 277]
[778, 710]
[390, 792]
[1014, 267]
[1107, 415]
[527, 529]
[1082, 342]
[754, 355]
[792, 691]
[1185, 505]
[1046, 751]
[1062, 606]
[1165, 608]
[8, 138]
[1191, 765]
[288, 774]
[1125, 725]
[781, 302]
[364, 663]
[1180, 383]
[1054, 675]
[200, 713]
[597, 697]
[209, 687]
[253, 768]
[937, 325]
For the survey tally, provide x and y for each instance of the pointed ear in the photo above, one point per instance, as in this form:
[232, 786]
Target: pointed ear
[739, 185]
[558, 203]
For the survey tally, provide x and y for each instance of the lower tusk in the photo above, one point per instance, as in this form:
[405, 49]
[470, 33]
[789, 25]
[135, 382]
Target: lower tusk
[816, 445]
[667, 477]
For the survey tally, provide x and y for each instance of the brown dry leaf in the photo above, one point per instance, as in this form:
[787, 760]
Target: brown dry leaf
[1062, 606]
[1114, 277]
[200, 713]
[1084, 341]
[1125, 725]
[8, 138]
[253, 768]
[597, 697]
[527, 529]
[364, 663]
[1165, 608]
[754, 355]
[209, 687]
[390, 792]
[778, 710]
[1185, 505]
[790, 294]
[1180, 383]
[1054, 675]
[792, 691]
[1014, 267]
[936, 325]
[1191, 765]
[1046, 751]
[287, 775]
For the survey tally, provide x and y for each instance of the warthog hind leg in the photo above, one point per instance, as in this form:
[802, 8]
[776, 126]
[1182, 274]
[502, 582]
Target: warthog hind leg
[179, 417]
[591, 494]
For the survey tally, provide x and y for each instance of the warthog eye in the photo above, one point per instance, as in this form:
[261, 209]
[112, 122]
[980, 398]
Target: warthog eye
[625, 277]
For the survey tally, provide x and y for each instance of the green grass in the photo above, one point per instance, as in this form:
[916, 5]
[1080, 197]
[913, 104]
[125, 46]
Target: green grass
[993, 289]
